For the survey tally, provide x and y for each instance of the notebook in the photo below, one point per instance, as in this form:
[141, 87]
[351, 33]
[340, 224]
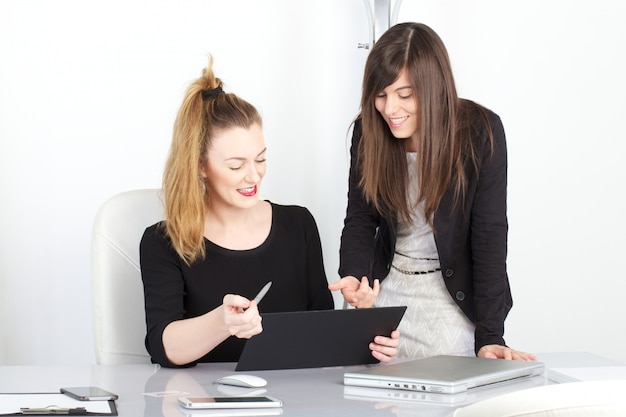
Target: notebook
[318, 338]
[443, 374]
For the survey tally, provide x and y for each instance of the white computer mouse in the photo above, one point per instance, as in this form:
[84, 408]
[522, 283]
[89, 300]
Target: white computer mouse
[233, 391]
[243, 380]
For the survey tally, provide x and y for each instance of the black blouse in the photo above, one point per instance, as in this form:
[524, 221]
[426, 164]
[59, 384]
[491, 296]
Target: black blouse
[290, 257]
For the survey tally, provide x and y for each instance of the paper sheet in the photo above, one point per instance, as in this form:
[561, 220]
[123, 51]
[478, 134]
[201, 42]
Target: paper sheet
[589, 373]
[12, 403]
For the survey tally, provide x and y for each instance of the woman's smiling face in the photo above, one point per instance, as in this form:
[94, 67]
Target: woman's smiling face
[398, 105]
[235, 166]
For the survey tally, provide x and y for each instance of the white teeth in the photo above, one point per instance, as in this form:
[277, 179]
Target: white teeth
[246, 190]
[399, 120]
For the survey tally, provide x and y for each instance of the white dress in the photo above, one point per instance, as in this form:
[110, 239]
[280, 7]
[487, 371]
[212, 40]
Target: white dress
[433, 323]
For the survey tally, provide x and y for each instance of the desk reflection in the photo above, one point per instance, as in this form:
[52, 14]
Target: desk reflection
[153, 391]
[404, 403]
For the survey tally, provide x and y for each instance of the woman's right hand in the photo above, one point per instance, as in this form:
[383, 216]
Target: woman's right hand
[241, 316]
[358, 293]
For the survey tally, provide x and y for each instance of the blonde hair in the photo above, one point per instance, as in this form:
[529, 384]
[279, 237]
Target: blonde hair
[205, 110]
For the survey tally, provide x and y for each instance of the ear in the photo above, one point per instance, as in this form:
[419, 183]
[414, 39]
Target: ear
[202, 168]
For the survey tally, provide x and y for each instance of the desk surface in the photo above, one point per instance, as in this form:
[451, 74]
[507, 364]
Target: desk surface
[306, 392]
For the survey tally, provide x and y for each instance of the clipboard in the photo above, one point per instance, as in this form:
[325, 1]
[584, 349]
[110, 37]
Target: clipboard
[52, 404]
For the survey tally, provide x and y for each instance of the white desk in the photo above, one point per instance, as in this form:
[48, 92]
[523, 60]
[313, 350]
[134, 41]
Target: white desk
[305, 392]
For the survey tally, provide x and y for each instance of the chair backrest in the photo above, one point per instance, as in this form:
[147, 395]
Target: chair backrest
[117, 289]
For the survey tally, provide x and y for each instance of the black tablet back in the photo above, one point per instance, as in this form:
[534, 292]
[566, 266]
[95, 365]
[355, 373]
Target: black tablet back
[320, 338]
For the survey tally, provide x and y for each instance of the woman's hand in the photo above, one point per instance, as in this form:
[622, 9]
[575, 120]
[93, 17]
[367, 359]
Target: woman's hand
[188, 340]
[503, 352]
[385, 349]
[241, 316]
[358, 294]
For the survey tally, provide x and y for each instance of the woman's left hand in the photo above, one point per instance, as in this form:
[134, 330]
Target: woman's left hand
[503, 352]
[386, 348]
[358, 293]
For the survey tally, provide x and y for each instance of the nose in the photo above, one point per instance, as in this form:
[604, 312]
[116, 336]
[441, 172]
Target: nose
[391, 104]
[252, 174]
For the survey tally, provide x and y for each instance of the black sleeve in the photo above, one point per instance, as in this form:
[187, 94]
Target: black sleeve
[319, 296]
[361, 224]
[489, 229]
[163, 289]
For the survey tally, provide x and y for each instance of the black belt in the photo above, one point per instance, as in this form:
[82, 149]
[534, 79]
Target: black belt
[415, 272]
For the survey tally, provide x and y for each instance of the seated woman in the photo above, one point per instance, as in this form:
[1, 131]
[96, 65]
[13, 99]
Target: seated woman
[219, 243]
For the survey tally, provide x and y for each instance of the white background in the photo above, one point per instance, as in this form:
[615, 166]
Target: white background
[89, 90]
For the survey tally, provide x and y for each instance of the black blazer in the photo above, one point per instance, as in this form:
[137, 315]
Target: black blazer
[471, 238]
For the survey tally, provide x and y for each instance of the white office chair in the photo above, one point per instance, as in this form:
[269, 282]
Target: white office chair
[572, 399]
[117, 290]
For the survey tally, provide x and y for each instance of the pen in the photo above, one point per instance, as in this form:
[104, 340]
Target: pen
[262, 293]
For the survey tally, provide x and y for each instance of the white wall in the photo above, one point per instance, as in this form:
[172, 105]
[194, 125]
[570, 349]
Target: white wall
[89, 90]
[555, 72]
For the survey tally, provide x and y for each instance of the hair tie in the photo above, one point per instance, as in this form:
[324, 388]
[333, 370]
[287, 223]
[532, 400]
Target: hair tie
[212, 93]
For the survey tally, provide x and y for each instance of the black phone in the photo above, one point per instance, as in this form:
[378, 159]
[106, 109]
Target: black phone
[89, 393]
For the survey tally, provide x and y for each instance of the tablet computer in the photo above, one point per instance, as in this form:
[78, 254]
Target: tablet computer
[318, 338]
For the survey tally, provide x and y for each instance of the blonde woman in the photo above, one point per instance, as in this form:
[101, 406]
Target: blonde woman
[220, 243]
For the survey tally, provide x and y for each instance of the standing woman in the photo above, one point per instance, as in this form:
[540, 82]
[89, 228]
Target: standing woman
[426, 221]
[220, 243]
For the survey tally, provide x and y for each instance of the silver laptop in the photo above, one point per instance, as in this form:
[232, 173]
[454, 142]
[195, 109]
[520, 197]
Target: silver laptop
[443, 374]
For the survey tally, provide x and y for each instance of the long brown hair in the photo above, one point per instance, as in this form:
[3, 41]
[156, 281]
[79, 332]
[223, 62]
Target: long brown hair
[444, 125]
[206, 109]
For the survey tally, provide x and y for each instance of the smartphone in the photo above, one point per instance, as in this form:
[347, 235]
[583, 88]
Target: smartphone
[89, 393]
[230, 402]
[231, 412]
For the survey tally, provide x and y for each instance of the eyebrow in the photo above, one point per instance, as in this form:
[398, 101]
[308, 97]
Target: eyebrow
[239, 158]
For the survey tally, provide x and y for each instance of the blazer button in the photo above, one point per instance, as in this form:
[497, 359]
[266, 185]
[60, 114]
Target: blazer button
[449, 272]
[460, 295]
